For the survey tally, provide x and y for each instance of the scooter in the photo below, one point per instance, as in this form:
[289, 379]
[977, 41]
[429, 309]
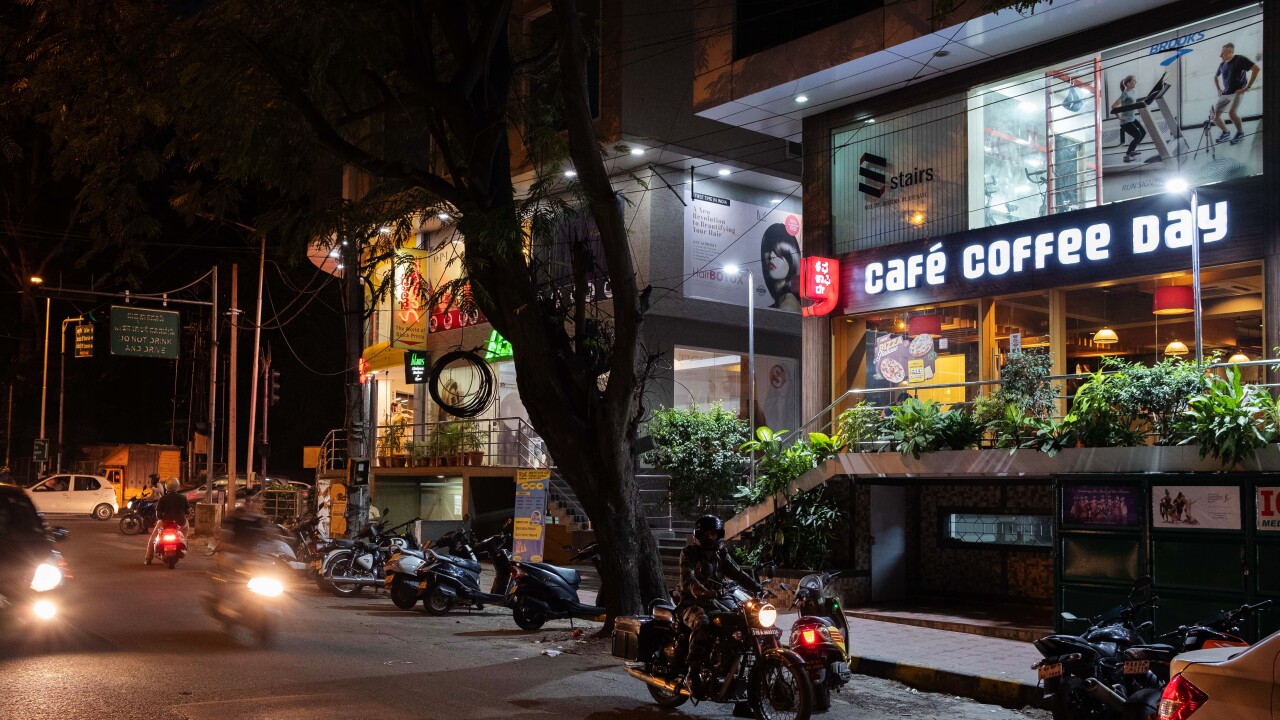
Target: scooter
[248, 596]
[348, 570]
[405, 574]
[821, 637]
[448, 579]
[541, 592]
[171, 544]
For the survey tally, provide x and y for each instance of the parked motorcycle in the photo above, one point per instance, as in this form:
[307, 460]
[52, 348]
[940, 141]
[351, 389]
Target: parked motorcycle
[248, 596]
[449, 579]
[747, 663]
[139, 516]
[348, 570]
[171, 544]
[408, 573]
[1084, 674]
[820, 636]
[539, 592]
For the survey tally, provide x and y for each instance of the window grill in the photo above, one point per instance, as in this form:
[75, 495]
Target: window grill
[994, 529]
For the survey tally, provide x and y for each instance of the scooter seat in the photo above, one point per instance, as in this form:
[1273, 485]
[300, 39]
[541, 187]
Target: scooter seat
[569, 575]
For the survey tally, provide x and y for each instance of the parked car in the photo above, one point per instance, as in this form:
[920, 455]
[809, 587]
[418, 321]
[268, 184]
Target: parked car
[197, 494]
[32, 574]
[1224, 683]
[92, 495]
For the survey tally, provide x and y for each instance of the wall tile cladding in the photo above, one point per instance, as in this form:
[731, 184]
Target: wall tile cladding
[981, 572]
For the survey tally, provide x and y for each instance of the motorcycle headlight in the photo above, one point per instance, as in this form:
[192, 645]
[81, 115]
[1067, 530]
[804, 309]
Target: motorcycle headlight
[767, 616]
[269, 587]
[47, 577]
[44, 609]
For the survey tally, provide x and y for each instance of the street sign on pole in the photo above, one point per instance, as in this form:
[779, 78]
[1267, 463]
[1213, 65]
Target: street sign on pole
[84, 340]
[40, 451]
[137, 332]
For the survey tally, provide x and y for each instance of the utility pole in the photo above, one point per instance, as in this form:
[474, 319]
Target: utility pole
[62, 386]
[44, 384]
[257, 344]
[232, 481]
[213, 390]
[268, 397]
[8, 430]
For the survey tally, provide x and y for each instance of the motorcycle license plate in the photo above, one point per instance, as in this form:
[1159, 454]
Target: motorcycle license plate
[1136, 667]
[765, 631]
[1046, 672]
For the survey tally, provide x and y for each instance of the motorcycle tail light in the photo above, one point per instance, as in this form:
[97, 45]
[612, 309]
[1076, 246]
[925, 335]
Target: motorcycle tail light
[809, 637]
[1180, 699]
[170, 537]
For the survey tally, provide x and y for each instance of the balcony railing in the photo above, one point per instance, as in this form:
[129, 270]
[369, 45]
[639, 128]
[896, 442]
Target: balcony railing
[499, 442]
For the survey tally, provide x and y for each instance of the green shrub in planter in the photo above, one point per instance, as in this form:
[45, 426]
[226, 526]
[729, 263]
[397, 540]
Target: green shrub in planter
[1228, 420]
[699, 450]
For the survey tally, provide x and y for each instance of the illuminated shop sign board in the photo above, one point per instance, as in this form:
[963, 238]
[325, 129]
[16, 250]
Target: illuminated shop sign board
[1128, 239]
[417, 363]
[818, 276]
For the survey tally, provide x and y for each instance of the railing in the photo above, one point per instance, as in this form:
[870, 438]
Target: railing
[499, 442]
[333, 452]
[563, 494]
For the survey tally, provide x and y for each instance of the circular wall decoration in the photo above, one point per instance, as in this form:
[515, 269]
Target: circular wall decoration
[468, 387]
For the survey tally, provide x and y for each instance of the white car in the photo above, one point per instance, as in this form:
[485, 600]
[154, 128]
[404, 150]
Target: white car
[67, 494]
[1225, 684]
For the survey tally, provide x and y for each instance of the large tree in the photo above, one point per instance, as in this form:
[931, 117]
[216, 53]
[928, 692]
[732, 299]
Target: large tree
[428, 103]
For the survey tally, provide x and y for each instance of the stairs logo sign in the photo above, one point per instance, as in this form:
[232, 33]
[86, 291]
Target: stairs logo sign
[528, 531]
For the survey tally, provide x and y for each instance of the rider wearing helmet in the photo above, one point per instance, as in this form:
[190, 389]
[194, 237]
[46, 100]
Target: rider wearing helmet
[172, 507]
[705, 565]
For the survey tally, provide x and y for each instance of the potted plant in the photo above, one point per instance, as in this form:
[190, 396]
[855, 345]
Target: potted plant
[473, 441]
[418, 450]
[391, 445]
[446, 441]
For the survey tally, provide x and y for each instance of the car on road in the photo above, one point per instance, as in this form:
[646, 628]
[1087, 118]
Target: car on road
[197, 494]
[68, 494]
[1225, 684]
[32, 573]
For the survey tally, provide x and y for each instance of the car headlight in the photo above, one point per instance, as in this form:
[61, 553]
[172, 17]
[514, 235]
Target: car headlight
[47, 577]
[270, 587]
[767, 616]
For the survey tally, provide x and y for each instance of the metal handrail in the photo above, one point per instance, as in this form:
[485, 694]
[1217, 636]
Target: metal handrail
[489, 442]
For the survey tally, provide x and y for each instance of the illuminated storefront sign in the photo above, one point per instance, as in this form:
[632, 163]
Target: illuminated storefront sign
[818, 276]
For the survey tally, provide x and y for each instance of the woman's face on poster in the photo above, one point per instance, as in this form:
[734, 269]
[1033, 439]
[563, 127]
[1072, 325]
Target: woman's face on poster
[777, 265]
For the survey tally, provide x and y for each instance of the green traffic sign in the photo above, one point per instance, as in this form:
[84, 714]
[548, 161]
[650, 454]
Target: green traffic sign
[136, 332]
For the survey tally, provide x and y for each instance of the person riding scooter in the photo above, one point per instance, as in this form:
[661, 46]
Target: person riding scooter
[705, 565]
[173, 507]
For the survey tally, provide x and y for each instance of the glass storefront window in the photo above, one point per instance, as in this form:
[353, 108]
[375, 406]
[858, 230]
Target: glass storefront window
[705, 377]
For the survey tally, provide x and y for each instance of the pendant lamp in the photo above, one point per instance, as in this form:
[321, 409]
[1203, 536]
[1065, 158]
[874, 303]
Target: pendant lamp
[1173, 300]
[1239, 357]
[1177, 347]
[1105, 336]
[924, 325]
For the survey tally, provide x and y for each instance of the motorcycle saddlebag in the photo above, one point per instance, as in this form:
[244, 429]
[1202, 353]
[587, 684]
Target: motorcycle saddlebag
[628, 636]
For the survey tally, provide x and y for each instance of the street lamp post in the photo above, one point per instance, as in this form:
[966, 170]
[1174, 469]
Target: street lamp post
[1180, 186]
[62, 386]
[44, 383]
[751, 355]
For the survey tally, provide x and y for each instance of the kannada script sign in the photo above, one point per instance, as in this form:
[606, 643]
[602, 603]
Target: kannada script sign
[136, 332]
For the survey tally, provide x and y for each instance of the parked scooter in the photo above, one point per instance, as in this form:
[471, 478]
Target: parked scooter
[139, 516]
[171, 544]
[447, 580]
[408, 572]
[541, 592]
[820, 636]
[1084, 674]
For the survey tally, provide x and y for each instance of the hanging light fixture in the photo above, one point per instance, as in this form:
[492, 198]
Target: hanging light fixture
[1173, 300]
[1239, 357]
[1177, 347]
[924, 325]
[1105, 336]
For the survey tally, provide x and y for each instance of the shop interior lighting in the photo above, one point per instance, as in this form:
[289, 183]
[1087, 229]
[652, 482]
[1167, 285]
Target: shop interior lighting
[570, 173]
[637, 151]
[1173, 300]
[724, 171]
[1177, 347]
[1239, 357]
[384, 230]
[802, 98]
[1105, 336]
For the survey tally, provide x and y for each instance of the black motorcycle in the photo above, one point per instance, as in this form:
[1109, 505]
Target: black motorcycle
[139, 516]
[1151, 663]
[1084, 674]
[348, 570]
[821, 637]
[449, 579]
[747, 662]
[404, 575]
[540, 592]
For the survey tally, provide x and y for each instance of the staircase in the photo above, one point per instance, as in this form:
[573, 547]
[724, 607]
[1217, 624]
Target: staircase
[563, 504]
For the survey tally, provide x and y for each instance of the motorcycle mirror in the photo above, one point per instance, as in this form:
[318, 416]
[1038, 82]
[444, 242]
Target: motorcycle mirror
[1069, 617]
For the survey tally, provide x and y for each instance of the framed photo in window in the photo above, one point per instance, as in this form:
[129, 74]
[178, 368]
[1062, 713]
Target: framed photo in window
[1107, 505]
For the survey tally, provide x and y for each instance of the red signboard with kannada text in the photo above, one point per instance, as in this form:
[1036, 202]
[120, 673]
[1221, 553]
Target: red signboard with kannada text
[818, 276]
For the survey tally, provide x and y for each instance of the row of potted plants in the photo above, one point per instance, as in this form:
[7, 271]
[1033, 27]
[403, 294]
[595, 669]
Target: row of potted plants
[451, 444]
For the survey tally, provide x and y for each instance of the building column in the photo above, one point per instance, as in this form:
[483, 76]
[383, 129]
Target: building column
[1058, 343]
[987, 367]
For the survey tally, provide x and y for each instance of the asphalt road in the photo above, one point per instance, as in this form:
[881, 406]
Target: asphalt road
[135, 643]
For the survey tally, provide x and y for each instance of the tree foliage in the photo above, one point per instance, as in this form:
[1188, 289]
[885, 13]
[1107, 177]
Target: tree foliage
[699, 450]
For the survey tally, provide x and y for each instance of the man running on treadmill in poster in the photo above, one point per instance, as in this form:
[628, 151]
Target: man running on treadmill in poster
[1232, 83]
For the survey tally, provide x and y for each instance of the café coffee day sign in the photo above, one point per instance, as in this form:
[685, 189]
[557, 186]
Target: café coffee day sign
[139, 332]
[1126, 239]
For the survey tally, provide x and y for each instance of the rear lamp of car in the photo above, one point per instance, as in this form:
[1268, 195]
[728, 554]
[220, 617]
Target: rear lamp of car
[1180, 699]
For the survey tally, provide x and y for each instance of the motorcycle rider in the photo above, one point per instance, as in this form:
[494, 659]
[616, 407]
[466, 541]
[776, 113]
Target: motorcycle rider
[152, 490]
[705, 565]
[173, 507]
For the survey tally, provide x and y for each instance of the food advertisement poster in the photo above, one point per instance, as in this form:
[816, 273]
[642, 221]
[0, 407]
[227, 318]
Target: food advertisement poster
[1269, 509]
[1199, 507]
[720, 232]
[898, 360]
[1100, 505]
[529, 532]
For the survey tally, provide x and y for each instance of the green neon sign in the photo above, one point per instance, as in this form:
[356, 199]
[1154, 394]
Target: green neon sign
[498, 348]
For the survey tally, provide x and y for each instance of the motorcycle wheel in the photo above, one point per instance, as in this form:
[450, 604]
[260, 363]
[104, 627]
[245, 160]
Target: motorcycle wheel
[172, 562]
[821, 698]
[779, 689]
[436, 602]
[130, 525]
[404, 595]
[341, 567]
[528, 618]
[665, 699]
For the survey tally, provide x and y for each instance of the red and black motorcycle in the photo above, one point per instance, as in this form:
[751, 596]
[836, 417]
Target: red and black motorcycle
[171, 544]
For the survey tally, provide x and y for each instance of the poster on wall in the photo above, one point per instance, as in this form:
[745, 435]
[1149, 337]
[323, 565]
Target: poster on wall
[1185, 103]
[451, 306]
[899, 361]
[1100, 505]
[719, 232]
[529, 529]
[408, 304]
[900, 178]
[1268, 509]
[777, 392]
[1200, 507]
[556, 252]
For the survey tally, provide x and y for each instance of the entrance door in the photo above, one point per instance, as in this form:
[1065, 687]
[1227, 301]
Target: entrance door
[888, 543]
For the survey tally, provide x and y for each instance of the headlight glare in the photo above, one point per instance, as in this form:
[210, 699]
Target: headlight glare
[270, 587]
[47, 577]
[768, 615]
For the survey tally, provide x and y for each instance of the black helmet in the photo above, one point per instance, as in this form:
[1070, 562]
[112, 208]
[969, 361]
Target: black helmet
[708, 532]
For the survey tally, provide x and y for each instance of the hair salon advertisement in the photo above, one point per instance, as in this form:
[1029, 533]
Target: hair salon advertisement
[1186, 103]
[1199, 507]
[719, 232]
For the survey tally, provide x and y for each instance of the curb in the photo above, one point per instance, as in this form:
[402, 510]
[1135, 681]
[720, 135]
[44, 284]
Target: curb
[994, 691]
[1019, 634]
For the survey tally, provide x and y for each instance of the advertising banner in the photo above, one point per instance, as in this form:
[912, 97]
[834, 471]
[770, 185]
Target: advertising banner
[1100, 505]
[898, 360]
[528, 532]
[1182, 104]
[900, 178]
[451, 306]
[136, 332]
[408, 306]
[719, 232]
[1268, 509]
[1201, 507]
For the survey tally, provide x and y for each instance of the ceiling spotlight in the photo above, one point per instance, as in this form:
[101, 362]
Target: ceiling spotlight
[36, 280]
[1176, 185]
[731, 269]
[570, 173]
[724, 171]
[340, 266]
[344, 243]
[333, 252]
[917, 218]
[637, 151]
[871, 121]
[775, 201]
[443, 217]
[802, 98]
